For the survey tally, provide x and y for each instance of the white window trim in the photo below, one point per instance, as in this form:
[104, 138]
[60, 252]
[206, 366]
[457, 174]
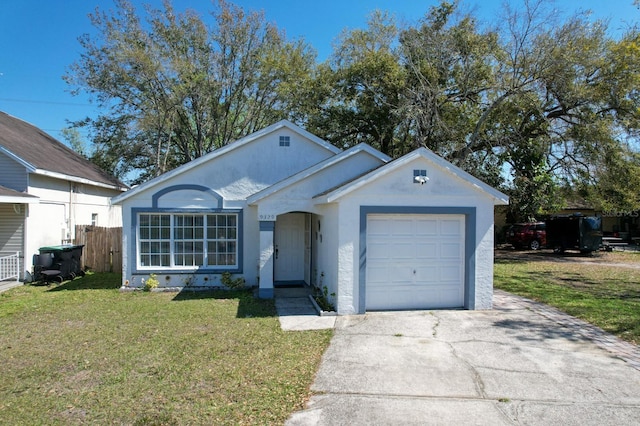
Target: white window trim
[237, 267]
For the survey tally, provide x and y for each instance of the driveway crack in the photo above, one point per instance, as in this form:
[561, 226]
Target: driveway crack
[475, 375]
[434, 329]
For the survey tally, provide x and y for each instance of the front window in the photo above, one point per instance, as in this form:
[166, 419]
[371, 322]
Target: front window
[155, 240]
[188, 240]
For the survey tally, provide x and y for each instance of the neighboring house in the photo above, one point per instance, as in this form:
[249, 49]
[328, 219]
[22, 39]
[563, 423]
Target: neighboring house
[45, 190]
[283, 207]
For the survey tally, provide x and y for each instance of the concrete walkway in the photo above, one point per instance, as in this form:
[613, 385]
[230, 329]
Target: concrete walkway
[521, 363]
[6, 285]
[296, 311]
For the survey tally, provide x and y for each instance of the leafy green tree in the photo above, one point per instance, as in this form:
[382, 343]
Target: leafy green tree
[535, 106]
[615, 184]
[450, 66]
[75, 141]
[568, 93]
[176, 86]
[356, 93]
[530, 106]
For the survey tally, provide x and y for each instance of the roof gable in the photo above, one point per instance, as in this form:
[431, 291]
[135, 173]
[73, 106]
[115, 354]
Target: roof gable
[317, 168]
[40, 153]
[218, 153]
[457, 173]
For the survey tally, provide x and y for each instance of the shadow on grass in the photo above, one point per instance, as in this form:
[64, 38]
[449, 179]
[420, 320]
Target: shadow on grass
[249, 306]
[507, 256]
[98, 281]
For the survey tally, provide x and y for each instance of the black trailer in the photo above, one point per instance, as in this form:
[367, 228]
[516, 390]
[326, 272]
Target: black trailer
[576, 232]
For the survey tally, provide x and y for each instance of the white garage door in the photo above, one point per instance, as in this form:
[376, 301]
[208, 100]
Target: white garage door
[415, 261]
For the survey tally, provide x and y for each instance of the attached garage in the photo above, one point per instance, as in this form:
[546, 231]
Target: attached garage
[419, 234]
[415, 261]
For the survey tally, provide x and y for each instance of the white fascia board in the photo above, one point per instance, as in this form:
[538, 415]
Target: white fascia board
[498, 197]
[220, 152]
[329, 162]
[9, 199]
[77, 179]
[30, 167]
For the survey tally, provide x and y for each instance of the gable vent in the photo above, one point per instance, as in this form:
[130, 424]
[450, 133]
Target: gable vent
[420, 176]
[285, 141]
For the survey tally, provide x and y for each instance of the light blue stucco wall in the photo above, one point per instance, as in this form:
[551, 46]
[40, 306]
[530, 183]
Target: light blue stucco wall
[224, 183]
[396, 192]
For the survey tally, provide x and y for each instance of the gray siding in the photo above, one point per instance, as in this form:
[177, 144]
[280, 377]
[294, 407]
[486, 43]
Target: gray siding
[12, 174]
[12, 232]
[11, 229]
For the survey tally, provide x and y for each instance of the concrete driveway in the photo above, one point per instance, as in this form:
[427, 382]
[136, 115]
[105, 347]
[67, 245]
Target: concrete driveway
[522, 363]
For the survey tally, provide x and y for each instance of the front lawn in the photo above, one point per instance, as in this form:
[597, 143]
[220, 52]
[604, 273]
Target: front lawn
[85, 353]
[605, 295]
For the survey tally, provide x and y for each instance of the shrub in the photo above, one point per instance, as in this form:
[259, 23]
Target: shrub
[232, 283]
[151, 283]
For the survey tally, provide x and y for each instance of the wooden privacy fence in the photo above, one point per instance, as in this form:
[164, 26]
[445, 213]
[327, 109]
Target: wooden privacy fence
[102, 248]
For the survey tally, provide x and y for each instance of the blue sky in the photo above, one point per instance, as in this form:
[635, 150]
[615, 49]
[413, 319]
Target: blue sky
[38, 40]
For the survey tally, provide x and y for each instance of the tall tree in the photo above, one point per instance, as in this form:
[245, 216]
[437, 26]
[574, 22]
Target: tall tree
[533, 106]
[564, 96]
[176, 86]
[450, 64]
[75, 141]
[357, 92]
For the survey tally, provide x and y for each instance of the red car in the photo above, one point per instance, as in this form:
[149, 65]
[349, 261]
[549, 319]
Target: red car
[527, 235]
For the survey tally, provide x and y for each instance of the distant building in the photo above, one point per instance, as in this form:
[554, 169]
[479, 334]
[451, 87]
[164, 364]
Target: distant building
[46, 189]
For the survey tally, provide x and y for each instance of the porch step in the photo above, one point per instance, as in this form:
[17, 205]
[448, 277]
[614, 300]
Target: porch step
[287, 306]
[291, 292]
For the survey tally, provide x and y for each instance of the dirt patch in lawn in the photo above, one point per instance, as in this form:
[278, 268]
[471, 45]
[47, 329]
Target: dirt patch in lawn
[629, 259]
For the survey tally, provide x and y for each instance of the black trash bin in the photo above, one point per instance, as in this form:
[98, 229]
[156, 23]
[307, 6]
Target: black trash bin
[58, 263]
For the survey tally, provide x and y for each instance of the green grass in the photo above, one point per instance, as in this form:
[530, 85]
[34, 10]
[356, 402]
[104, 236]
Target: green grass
[86, 353]
[604, 295]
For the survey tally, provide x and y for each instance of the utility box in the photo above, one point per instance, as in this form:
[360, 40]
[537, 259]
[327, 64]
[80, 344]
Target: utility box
[577, 232]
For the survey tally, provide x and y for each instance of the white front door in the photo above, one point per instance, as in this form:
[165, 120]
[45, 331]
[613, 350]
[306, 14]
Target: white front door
[415, 261]
[290, 248]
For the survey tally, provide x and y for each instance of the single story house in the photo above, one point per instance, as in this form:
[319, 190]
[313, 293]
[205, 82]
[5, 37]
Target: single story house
[46, 189]
[284, 207]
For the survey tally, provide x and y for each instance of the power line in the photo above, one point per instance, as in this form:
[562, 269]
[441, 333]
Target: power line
[82, 131]
[29, 101]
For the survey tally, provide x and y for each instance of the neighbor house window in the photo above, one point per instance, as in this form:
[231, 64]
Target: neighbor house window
[285, 141]
[188, 240]
[94, 219]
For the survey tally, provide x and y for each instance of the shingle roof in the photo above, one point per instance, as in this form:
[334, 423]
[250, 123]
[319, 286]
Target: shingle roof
[8, 192]
[43, 152]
